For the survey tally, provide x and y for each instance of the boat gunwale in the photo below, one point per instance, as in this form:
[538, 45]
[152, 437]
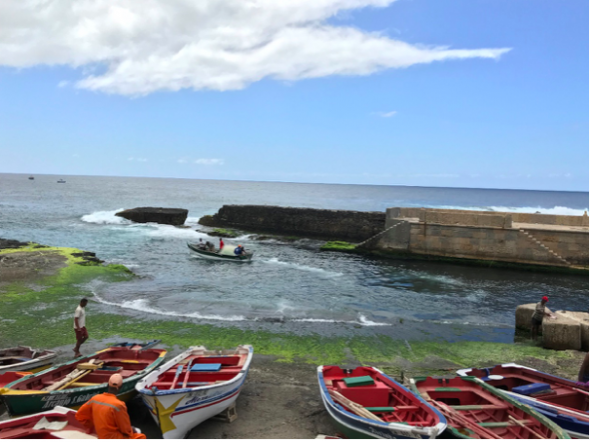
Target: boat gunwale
[51, 354]
[391, 426]
[148, 392]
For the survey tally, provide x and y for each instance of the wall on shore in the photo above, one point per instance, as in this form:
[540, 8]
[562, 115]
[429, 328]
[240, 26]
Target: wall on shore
[327, 224]
[487, 243]
[462, 216]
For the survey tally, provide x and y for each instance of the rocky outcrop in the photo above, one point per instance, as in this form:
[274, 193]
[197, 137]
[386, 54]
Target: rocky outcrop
[173, 217]
[314, 223]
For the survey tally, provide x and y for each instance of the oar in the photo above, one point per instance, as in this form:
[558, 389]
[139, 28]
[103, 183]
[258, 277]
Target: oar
[580, 391]
[188, 370]
[466, 423]
[178, 371]
[353, 406]
[528, 428]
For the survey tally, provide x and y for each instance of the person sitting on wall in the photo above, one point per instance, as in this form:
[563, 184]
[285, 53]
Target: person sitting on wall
[240, 251]
[538, 316]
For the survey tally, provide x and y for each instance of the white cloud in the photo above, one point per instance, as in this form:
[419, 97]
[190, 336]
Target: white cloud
[386, 114]
[182, 161]
[209, 161]
[135, 47]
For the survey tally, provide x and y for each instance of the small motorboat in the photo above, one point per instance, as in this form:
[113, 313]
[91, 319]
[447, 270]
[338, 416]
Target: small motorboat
[31, 177]
[25, 359]
[194, 386]
[366, 403]
[475, 410]
[59, 423]
[75, 382]
[563, 401]
[61, 181]
[225, 254]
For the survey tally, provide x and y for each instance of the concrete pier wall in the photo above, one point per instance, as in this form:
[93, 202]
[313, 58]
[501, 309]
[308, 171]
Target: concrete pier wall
[485, 236]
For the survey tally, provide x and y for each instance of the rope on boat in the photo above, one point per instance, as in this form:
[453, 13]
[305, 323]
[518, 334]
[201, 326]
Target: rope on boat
[381, 233]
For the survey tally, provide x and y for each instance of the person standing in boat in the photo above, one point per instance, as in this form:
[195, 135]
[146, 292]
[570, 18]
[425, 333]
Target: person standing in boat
[80, 326]
[538, 315]
[108, 415]
[220, 244]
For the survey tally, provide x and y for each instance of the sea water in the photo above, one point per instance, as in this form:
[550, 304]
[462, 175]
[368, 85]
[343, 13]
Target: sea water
[290, 286]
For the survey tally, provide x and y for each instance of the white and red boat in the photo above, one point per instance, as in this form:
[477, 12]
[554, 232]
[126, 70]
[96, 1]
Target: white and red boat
[60, 423]
[194, 386]
[563, 401]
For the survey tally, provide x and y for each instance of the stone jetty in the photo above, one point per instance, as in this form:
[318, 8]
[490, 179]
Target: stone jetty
[569, 331]
[160, 215]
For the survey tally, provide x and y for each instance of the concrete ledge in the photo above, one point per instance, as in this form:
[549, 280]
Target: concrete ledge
[523, 316]
[563, 333]
[465, 219]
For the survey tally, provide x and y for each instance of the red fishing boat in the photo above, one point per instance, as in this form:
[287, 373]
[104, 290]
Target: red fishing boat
[60, 423]
[475, 410]
[561, 400]
[366, 403]
[11, 376]
[75, 382]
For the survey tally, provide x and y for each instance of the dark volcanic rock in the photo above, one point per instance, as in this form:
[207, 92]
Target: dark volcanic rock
[11, 244]
[346, 225]
[174, 217]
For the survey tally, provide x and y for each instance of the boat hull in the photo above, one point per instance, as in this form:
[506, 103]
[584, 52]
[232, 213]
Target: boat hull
[32, 365]
[216, 256]
[178, 411]
[21, 402]
[358, 427]
[23, 427]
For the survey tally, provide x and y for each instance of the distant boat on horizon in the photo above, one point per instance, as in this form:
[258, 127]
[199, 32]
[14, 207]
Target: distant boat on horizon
[61, 181]
[31, 177]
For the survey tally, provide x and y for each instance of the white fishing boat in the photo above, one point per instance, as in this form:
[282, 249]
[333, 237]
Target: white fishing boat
[225, 254]
[194, 386]
[24, 359]
[59, 423]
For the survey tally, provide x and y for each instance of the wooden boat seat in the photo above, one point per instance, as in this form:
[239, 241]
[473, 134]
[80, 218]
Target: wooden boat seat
[369, 396]
[480, 407]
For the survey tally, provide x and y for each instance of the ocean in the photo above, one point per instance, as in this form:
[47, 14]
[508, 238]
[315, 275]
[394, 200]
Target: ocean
[289, 287]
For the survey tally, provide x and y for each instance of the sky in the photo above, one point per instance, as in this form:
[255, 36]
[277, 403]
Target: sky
[461, 93]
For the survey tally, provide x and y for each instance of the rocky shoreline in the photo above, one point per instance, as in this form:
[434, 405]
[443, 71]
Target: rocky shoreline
[280, 398]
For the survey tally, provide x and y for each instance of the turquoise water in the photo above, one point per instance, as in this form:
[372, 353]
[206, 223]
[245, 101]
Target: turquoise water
[289, 286]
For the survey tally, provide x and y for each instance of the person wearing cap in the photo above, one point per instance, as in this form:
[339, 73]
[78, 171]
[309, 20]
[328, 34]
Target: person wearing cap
[538, 315]
[239, 250]
[107, 415]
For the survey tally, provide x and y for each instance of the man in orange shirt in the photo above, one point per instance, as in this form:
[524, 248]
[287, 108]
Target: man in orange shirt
[107, 414]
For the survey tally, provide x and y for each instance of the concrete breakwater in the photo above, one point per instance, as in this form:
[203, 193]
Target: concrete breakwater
[517, 238]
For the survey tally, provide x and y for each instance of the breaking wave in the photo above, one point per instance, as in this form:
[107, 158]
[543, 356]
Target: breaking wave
[276, 261]
[557, 210]
[105, 217]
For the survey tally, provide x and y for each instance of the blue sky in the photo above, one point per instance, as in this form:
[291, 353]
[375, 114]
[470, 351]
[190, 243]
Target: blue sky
[343, 94]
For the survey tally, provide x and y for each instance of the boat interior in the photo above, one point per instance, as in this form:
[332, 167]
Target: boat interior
[17, 355]
[202, 369]
[30, 427]
[380, 397]
[481, 407]
[126, 362]
[537, 386]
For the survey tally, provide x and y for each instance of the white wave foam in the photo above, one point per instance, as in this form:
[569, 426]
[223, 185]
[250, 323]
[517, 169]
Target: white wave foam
[105, 217]
[141, 305]
[363, 321]
[166, 231]
[557, 210]
[302, 267]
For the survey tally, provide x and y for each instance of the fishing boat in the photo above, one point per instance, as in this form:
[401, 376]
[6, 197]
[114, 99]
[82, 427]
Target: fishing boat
[194, 386]
[59, 423]
[563, 401]
[366, 403]
[31, 177]
[75, 382]
[475, 410]
[25, 359]
[61, 181]
[11, 376]
[225, 254]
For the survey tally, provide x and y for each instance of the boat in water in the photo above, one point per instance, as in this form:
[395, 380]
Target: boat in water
[475, 410]
[25, 359]
[75, 382]
[194, 386]
[59, 423]
[61, 181]
[563, 401]
[31, 177]
[225, 254]
[366, 403]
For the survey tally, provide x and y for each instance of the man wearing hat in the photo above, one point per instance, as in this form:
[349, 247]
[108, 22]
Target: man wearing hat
[107, 415]
[538, 316]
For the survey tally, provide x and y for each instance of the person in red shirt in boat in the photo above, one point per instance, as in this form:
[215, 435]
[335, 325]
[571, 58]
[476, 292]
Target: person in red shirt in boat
[220, 244]
[107, 415]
